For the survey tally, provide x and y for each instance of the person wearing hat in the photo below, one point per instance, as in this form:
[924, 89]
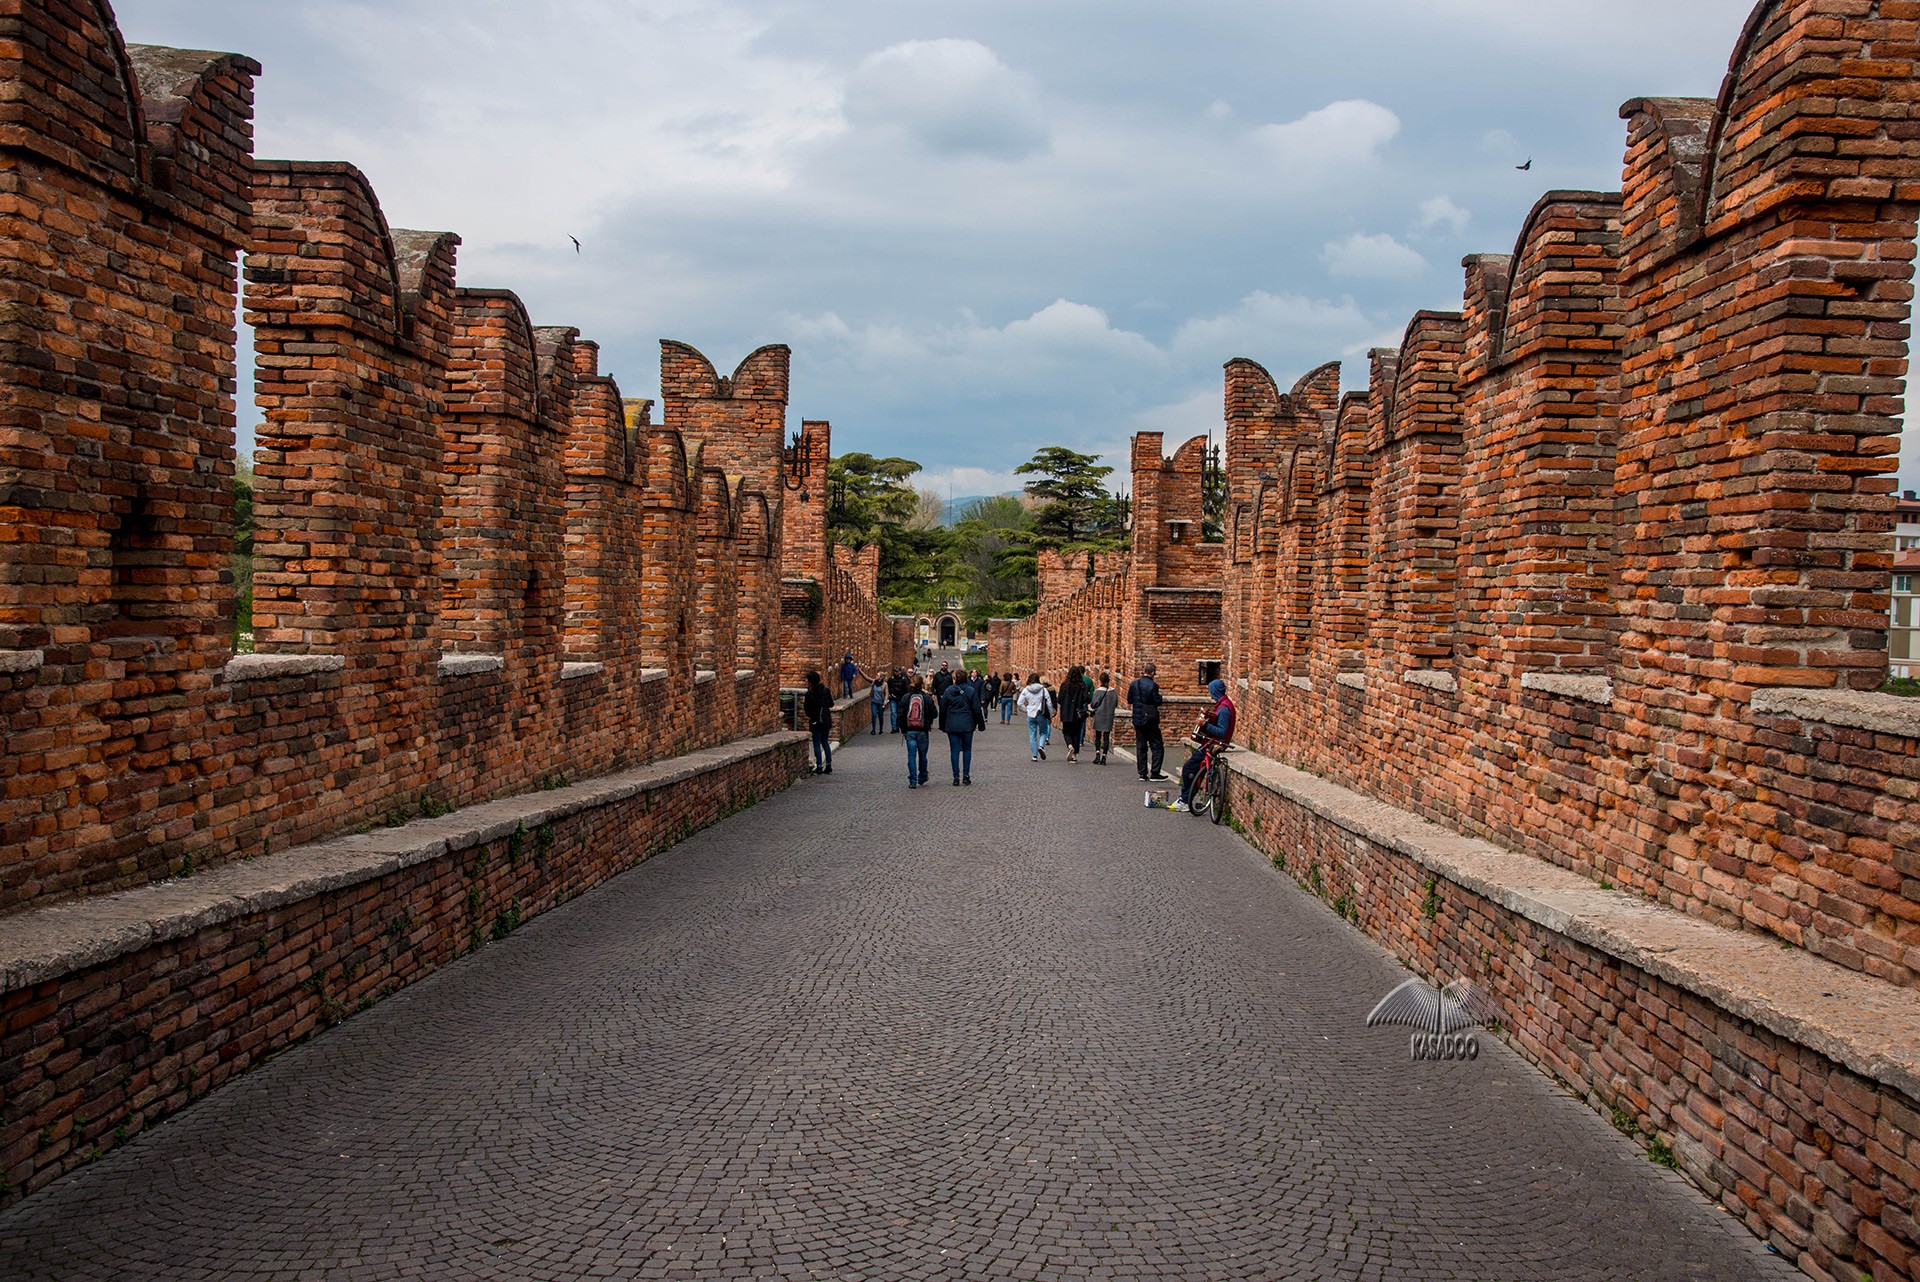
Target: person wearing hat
[1217, 728]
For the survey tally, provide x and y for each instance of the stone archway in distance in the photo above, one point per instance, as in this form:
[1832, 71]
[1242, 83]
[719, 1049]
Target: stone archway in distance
[949, 630]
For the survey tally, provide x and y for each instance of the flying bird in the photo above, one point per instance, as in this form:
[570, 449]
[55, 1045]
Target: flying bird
[1528, 165]
[1461, 1004]
[576, 239]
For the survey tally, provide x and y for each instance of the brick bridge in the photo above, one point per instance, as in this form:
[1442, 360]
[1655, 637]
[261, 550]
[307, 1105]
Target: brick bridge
[1555, 647]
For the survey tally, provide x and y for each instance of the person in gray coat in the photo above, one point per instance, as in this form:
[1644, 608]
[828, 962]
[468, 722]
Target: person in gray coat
[1105, 700]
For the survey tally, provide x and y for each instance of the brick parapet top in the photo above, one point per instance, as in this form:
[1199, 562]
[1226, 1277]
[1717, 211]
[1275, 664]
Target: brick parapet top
[1870, 1026]
[48, 943]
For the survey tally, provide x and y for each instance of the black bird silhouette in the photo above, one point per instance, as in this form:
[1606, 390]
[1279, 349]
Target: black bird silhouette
[576, 239]
[1528, 165]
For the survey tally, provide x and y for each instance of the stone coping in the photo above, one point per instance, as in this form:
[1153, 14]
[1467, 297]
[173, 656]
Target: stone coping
[267, 667]
[576, 671]
[744, 674]
[1860, 709]
[1351, 680]
[704, 675]
[653, 674]
[464, 665]
[1586, 687]
[47, 943]
[1870, 1026]
[1431, 679]
[1300, 683]
[21, 660]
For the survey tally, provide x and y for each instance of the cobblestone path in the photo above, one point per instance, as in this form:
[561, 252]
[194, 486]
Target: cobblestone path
[1026, 1029]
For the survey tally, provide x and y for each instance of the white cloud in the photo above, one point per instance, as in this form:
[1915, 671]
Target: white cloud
[1438, 210]
[1498, 142]
[1270, 327]
[1181, 420]
[961, 482]
[1339, 135]
[952, 97]
[1376, 257]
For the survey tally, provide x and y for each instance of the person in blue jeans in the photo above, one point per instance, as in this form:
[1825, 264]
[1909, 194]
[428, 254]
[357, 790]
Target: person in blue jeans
[848, 671]
[918, 713]
[1037, 704]
[877, 701]
[960, 716]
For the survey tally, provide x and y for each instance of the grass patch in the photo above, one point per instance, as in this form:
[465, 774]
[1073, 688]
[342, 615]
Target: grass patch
[975, 662]
[1905, 687]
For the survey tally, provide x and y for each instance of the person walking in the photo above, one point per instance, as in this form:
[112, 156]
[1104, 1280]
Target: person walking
[960, 717]
[942, 679]
[819, 709]
[1101, 709]
[1037, 704]
[848, 671]
[1074, 707]
[897, 687]
[1143, 699]
[1009, 691]
[917, 715]
[877, 702]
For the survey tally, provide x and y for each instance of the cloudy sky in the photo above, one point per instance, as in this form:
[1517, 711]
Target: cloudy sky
[982, 227]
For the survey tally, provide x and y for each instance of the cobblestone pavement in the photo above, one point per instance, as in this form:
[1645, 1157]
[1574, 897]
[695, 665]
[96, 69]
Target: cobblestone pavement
[1027, 1029]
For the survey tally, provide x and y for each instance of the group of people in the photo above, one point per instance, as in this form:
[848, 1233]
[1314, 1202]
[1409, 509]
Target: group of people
[904, 703]
[1081, 702]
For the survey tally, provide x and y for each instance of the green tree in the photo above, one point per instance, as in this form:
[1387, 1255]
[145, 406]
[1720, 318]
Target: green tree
[1213, 497]
[1073, 507]
[1000, 555]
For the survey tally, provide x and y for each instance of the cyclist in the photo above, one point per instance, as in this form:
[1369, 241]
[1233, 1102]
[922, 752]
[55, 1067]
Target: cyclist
[1216, 730]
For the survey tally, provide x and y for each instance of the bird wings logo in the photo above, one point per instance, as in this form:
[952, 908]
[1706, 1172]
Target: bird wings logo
[1438, 1015]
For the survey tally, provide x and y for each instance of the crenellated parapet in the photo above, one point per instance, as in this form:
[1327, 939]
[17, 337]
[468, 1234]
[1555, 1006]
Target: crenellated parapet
[474, 565]
[1576, 544]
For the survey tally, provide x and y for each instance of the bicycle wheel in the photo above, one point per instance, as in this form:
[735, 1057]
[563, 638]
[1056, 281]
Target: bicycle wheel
[1203, 797]
[1217, 788]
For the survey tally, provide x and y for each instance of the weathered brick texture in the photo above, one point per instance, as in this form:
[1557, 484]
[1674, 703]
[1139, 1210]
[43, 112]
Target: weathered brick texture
[479, 573]
[471, 573]
[1531, 580]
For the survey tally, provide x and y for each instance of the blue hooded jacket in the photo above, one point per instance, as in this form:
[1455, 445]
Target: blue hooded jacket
[1220, 725]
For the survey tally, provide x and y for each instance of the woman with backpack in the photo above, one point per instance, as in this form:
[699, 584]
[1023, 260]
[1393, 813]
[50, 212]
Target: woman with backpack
[917, 715]
[1074, 707]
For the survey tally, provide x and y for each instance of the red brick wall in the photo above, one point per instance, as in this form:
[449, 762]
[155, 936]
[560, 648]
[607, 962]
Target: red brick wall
[829, 604]
[93, 1057]
[1530, 580]
[1807, 1153]
[435, 479]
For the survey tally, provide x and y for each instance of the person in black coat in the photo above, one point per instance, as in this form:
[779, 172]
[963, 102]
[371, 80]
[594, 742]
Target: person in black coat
[1075, 705]
[960, 714]
[819, 709]
[1150, 751]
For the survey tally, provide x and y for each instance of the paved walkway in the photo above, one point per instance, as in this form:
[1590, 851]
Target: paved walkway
[1026, 1029]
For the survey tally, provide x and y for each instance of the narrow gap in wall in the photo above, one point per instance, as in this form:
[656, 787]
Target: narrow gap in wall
[247, 418]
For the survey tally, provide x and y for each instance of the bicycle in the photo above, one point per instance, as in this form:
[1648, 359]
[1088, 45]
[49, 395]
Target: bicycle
[1210, 786]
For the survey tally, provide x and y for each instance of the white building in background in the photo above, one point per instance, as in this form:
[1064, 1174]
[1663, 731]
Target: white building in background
[1903, 616]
